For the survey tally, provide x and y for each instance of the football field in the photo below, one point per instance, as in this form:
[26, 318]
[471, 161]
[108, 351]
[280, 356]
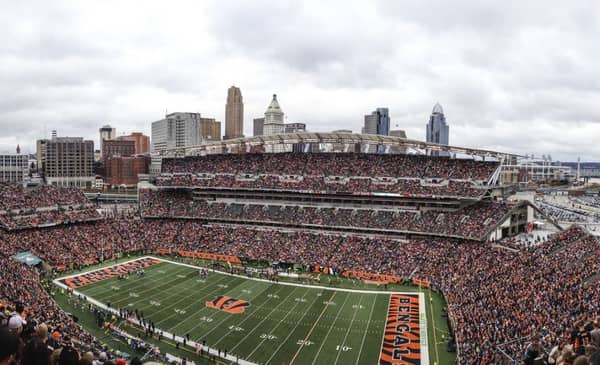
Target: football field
[262, 322]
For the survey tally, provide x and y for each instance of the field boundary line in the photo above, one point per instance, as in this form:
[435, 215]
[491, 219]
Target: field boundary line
[423, 325]
[286, 283]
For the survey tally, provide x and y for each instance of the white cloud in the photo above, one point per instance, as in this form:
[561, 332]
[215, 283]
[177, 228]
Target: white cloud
[520, 77]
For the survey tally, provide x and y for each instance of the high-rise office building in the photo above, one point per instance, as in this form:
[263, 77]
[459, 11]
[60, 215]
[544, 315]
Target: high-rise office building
[210, 130]
[107, 132]
[378, 122]
[69, 162]
[176, 130]
[259, 124]
[438, 130]
[14, 168]
[234, 114]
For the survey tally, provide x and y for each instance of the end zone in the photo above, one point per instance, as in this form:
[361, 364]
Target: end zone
[405, 336]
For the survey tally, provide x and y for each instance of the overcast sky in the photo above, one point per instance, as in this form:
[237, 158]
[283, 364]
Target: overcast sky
[519, 76]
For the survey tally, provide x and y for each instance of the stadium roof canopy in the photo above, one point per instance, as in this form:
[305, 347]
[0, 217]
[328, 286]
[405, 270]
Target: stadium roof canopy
[337, 138]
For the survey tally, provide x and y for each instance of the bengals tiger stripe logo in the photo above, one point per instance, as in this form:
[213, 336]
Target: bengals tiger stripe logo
[228, 304]
[109, 272]
[402, 338]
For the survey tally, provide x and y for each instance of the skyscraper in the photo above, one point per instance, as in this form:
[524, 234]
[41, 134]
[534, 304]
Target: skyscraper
[234, 114]
[274, 124]
[273, 118]
[378, 122]
[176, 130]
[437, 129]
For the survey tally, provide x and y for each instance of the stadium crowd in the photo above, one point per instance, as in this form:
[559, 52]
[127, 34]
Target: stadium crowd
[321, 184]
[339, 172]
[22, 208]
[334, 164]
[14, 196]
[494, 295]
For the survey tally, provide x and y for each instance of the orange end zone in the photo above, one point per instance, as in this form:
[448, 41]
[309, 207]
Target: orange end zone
[108, 272]
[228, 304]
[402, 338]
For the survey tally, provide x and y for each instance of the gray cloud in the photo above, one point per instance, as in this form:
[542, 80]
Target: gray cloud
[519, 76]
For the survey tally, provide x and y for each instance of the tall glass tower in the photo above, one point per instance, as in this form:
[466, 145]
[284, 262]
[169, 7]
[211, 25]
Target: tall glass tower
[437, 128]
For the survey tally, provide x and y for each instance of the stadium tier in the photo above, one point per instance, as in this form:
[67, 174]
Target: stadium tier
[472, 222]
[406, 175]
[43, 206]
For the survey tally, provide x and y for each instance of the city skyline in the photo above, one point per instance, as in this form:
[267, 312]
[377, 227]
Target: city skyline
[510, 81]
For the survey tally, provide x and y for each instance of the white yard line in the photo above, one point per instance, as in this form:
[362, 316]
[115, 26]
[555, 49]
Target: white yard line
[215, 312]
[278, 324]
[123, 285]
[262, 320]
[255, 310]
[109, 297]
[362, 343]
[293, 330]
[329, 330]
[348, 331]
[206, 294]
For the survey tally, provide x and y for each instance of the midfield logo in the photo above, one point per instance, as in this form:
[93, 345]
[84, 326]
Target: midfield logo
[228, 304]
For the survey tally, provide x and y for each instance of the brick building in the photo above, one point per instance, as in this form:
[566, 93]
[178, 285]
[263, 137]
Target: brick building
[142, 142]
[125, 170]
[117, 147]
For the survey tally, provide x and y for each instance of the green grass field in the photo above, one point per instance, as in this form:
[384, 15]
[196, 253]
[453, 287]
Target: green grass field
[283, 324]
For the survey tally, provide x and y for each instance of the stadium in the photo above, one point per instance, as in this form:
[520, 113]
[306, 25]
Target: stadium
[238, 256]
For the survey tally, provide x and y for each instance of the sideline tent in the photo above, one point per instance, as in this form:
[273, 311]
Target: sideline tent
[27, 258]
